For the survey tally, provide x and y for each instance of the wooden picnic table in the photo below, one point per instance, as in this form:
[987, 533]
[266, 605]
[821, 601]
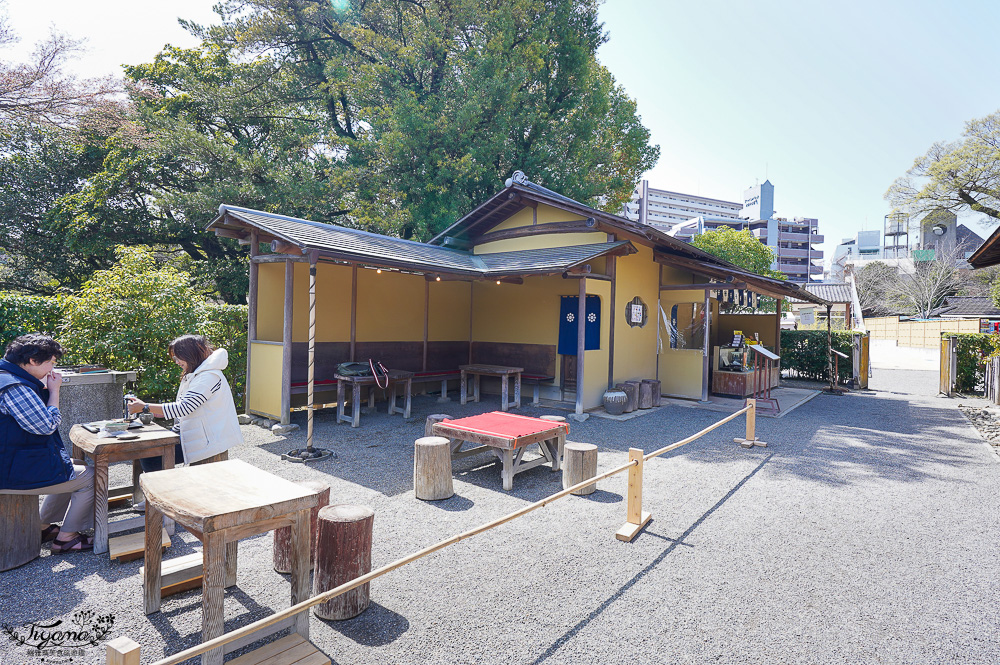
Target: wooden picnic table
[502, 371]
[221, 503]
[153, 441]
[507, 435]
[395, 377]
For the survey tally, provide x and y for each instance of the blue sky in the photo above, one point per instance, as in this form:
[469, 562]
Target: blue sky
[830, 101]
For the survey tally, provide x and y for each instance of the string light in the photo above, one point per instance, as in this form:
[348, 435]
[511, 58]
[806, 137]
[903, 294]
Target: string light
[378, 272]
[438, 278]
[498, 282]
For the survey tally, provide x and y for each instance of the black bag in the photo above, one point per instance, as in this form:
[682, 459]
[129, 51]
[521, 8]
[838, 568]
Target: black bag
[371, 368]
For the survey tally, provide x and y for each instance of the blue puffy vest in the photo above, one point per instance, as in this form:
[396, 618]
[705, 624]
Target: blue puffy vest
[29, 461]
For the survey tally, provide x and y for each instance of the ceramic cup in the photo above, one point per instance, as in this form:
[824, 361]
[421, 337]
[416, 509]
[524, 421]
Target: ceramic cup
[146, 418]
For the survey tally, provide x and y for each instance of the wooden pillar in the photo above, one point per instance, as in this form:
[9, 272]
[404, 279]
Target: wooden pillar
[777, 327]
[427, 316]
[313, 255]
[847, 317]
[251, 312]
[581, 343]
[706, 346]
[829, 347]
[472, 309]
[286, 341]
[612, 272]
[354, 308]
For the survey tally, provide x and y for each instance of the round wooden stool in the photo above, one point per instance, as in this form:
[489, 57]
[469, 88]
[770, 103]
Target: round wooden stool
[631, 389]
[555, 419]
[343, 553]
[283, 536]
[645, 395]
[432, 468]
[579, 464]
[21, 528]
[654, 387]
[431, 420]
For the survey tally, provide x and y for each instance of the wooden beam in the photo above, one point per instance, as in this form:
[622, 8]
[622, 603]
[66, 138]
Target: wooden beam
[584, 269]
[235, 235]
[279, 258]
[706, 347]
[282, 247]
[311, 376]
[603, 278]
[710, 286]
[286, 342]
[581, 344]
[573, 226]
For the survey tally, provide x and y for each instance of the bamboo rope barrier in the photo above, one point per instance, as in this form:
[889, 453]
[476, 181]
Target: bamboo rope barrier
[702, 433]
[364, 579]
[118, 647]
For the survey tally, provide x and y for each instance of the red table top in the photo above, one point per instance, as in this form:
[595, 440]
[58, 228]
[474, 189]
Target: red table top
[507, 425]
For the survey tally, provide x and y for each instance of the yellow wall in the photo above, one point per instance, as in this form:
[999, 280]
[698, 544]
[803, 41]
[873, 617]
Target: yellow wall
[520, 313]
[546, 215]
[264, 382]
[270, 301]
[635, 347]
[449, 311]
[390, 307]
[763, 324]
[333, 302]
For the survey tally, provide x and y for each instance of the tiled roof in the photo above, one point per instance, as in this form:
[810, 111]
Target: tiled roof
[835, 292]
[967, 306]
[342, 242]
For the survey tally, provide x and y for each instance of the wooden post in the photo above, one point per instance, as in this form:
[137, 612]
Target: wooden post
[579, 464]
[829, 348]
[251, 313]
[777, 330]
[581, 344]
[313, 255]
[751, 440]
[344, 553]
[635, 519]
[706, 348]
[472, 301]
[122, 651]
[286, 350]
[427, 319]
[354, 308]
[613, 273]
[432, 479]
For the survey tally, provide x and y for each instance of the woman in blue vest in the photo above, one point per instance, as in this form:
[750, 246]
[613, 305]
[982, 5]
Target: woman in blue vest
[33, 459]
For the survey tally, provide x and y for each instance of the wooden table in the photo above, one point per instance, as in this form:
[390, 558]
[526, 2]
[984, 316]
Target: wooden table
[395, 376]
[221, 503]
[507, 435]
[153, 441]
[505, 373]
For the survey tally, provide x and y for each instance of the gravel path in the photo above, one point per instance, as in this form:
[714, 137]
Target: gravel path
[864, 533]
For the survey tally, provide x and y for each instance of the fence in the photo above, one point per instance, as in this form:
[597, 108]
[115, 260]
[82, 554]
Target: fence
[124, 651]
[917, 334]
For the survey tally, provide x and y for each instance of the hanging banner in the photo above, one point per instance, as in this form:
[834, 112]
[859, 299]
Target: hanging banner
[569, 310]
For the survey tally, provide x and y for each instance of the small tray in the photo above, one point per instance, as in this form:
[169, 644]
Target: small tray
[95, 426]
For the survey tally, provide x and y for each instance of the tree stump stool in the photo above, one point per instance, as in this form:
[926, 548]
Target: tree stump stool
[283, 536]
[344, 553]
[645, 395]
[579, 463]
[432, 420]
[631, 389]
[654, 387]
[21, 527]
[432, 468]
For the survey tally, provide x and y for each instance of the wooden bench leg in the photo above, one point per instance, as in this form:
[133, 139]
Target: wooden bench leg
[444, 391]
[507, 469]
[355, 405]
[153, 559]
[213, 592]
[409, 398]
[517, 390]
[340, 402]
[463, 389]
[232, 549]
[534, 395]
[504, 392]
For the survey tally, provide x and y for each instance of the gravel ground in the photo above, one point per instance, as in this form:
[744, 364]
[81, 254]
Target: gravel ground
[864, 533]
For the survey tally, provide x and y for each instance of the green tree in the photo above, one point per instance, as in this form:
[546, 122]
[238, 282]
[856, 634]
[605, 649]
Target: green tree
[956, 176]
[740, 248]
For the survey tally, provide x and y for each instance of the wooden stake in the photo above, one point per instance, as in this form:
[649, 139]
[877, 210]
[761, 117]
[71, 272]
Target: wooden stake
[122, 651]
[635, 519]
[751, 438]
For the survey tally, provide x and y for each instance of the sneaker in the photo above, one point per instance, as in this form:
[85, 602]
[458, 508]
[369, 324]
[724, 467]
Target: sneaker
[139, 507]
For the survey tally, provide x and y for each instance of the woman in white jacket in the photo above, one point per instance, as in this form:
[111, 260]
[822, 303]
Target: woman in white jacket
[204, 412]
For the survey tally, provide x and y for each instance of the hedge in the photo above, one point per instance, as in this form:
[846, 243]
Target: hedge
[804, 353]
[972, 349]
[224, 325]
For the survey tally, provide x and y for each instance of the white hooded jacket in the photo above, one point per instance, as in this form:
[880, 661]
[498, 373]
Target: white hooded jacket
[205, 410]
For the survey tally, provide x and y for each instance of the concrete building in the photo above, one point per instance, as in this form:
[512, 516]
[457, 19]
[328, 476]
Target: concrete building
[684, 216]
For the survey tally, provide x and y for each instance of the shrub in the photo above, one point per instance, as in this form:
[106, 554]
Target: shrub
[124, 318]
[21, 314]
[226, 326]
[804, 352]
[972, 350]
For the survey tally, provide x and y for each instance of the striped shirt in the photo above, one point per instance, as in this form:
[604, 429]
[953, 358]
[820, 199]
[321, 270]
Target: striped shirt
[25, 406]
[189, 402]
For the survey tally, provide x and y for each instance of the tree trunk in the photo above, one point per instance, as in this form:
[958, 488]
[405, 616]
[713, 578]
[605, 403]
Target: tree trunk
[283, 536]
[344, 553]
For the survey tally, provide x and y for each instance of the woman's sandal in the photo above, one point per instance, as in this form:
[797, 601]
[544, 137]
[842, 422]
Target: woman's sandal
[78, 543]
[50, 532]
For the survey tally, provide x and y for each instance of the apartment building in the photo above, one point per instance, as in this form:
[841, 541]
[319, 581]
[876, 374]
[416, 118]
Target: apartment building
[685, 215]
